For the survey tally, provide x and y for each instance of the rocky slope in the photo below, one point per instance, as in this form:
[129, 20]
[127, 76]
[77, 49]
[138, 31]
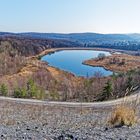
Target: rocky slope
[33, 122]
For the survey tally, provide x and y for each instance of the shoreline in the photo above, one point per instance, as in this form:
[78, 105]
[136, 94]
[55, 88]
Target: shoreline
[93, 63]
[129, 63]
[112, 51]
[107, 69]
[53, 50]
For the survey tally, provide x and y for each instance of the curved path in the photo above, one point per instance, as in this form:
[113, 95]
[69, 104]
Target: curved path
[129, 99]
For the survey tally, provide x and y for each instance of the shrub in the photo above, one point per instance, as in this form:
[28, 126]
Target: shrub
[20, 93]
[4, 90]
[122, 62]
[123, 115]
[101, 56]
[39, 57]
[32, 88]
[40, 93]
[30, 91]
[107, 91]
[17, 93]
[23, 93]
[54, 95]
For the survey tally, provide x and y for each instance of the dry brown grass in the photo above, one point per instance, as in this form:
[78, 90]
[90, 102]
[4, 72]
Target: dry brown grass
[123, 115]
[131, 62]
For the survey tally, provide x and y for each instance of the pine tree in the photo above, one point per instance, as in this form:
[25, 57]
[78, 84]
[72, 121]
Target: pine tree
[107, 91]
[130, 83]
[31, 88]
[4, 90]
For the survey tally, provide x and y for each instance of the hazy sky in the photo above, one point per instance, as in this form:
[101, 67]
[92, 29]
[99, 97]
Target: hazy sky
[64, 16]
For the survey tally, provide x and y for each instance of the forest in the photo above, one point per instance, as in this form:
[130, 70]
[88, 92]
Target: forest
[22, 77]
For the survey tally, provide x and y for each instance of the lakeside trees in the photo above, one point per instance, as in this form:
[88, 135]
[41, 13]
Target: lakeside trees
[101, 56]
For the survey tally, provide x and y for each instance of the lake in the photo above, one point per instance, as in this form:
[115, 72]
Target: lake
[71, 61]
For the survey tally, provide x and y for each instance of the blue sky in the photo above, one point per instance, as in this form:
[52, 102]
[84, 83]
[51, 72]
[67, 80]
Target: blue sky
[66, 16]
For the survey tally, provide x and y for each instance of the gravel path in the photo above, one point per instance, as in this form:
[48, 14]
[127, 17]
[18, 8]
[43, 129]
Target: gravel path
[129, 99]
[21, 120]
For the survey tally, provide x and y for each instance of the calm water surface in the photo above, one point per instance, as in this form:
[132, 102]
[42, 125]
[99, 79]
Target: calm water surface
[71, 60]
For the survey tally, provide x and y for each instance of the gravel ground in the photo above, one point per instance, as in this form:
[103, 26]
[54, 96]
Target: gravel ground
[40, 122]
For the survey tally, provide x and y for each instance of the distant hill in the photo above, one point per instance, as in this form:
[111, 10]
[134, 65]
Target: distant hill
[28, 46]
[82, 37]
[117, 41]
[135, 36]
[86, 37]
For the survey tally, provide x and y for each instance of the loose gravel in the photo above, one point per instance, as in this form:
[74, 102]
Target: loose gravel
[40, 122]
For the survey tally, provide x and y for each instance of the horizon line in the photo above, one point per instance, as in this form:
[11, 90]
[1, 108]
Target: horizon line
[65, 32]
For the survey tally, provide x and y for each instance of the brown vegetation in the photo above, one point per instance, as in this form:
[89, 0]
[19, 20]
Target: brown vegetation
[116, 62]
[16, 70]
[123, 115]
[10, 60]
[64, 86]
